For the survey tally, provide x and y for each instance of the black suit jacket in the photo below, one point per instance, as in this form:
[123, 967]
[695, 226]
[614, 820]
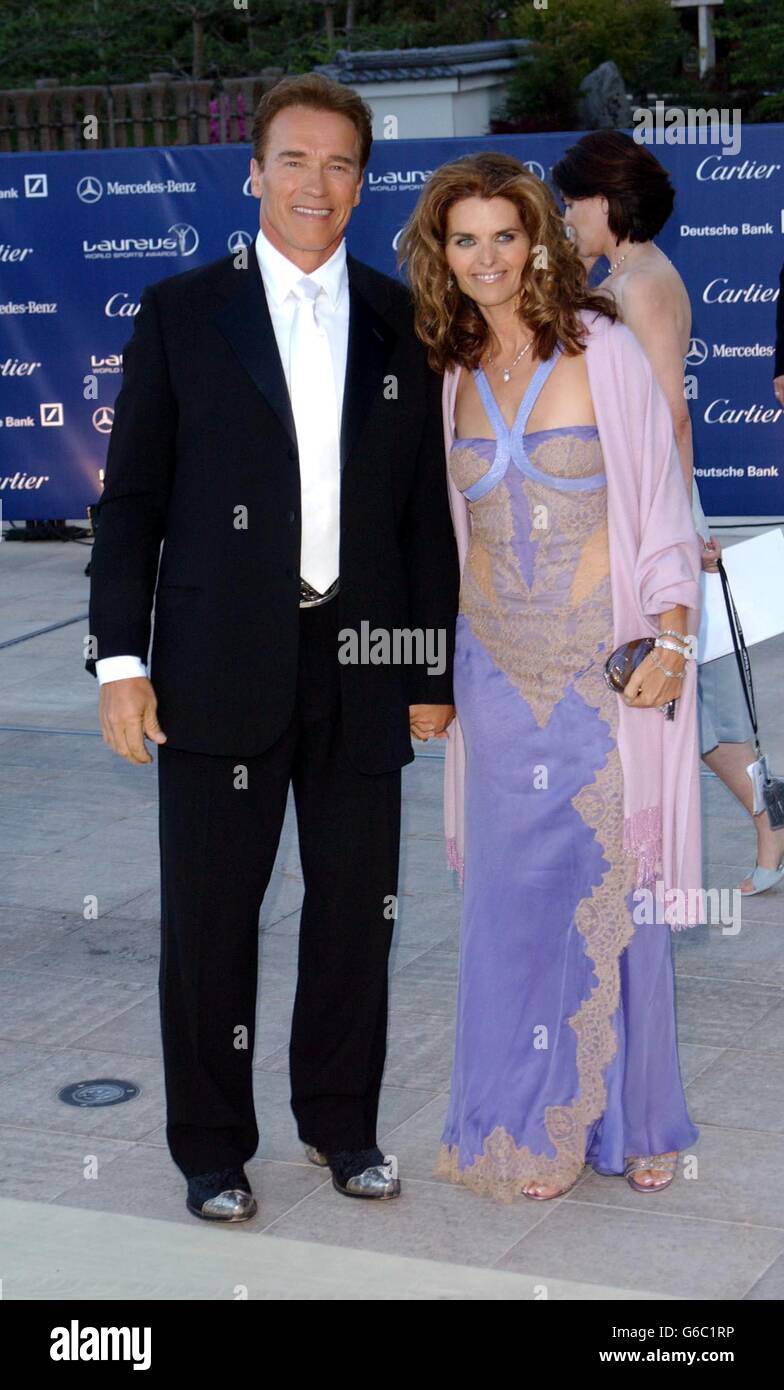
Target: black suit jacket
[203, 457]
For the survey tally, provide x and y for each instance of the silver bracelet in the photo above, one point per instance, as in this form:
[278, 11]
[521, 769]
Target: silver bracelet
[677, 674]
[689, 648]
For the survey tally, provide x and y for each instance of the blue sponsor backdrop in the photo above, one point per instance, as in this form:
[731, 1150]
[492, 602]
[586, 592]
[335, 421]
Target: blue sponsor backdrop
[82, 233]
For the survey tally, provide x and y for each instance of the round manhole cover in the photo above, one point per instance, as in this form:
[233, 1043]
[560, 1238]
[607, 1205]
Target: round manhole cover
[103, 1091]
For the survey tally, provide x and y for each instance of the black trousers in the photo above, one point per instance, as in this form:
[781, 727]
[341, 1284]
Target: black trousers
[220, 820]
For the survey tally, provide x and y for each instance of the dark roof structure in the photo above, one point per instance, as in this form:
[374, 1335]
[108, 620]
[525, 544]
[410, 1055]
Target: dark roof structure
[414, 64]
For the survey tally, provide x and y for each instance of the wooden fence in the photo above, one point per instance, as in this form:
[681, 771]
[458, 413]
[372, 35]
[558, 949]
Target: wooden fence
[164, 112]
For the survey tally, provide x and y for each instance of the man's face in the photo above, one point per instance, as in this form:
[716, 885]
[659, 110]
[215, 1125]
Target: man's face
[309, 182]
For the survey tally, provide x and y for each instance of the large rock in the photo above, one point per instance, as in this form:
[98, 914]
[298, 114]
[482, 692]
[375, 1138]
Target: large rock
[603, 103]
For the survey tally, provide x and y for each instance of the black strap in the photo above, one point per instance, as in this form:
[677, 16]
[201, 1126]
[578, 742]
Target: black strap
[741, 654]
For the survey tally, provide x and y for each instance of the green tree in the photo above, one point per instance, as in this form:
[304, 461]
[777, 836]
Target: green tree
[752, 34]
[643, 37]
[95, 41]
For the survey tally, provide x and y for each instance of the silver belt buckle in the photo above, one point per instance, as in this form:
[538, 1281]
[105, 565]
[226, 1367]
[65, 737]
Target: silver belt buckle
[311, 598]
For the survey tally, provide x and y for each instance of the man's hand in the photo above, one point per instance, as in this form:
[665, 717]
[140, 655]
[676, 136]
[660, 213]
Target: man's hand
[430, 721]
[778, 389]
[127, 710]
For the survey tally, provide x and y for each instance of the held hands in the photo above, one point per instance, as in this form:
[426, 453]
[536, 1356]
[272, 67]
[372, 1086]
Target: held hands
[649, 687]
[127, 710]
[430, 721]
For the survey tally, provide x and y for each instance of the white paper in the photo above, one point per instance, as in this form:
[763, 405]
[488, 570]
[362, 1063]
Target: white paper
[755, 570]
[756, 772]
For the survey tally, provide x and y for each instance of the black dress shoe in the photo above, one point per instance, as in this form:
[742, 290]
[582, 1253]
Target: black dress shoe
[224, 1195]
[365, 1173]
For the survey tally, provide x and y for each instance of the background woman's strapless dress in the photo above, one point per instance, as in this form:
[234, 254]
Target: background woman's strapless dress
[565, 1050]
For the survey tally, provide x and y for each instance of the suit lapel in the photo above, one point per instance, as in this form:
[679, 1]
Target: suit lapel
[245, 322]
[370, 342]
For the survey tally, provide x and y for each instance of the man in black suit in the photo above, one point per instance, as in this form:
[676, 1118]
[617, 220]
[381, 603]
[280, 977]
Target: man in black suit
[279, 430]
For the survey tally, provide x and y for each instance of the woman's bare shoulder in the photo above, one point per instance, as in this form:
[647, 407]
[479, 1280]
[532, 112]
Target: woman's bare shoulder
[654, 281]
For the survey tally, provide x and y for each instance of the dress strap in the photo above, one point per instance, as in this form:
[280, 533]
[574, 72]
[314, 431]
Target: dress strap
[516, 443]
[494, 414]
[503, 446]
[534, 387]
[509, 443]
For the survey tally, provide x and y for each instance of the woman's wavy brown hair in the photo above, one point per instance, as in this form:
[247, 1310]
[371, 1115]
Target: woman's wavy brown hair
[449, 322]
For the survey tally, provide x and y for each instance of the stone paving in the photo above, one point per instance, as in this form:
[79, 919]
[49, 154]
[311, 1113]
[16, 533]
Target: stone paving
[78, 1000]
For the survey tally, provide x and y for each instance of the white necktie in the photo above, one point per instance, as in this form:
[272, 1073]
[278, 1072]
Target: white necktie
[314, 406]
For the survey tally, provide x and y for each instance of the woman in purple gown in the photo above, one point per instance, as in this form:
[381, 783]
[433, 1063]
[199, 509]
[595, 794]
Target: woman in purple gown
[565, 1051]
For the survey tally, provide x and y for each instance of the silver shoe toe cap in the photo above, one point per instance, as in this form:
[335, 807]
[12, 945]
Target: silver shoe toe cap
[374, 1182]
[232, 1205]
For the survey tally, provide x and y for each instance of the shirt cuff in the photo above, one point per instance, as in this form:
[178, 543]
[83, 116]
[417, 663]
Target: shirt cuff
[118, 668]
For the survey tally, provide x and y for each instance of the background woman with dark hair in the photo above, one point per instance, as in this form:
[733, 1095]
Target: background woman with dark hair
[575, 535]
[617, 198]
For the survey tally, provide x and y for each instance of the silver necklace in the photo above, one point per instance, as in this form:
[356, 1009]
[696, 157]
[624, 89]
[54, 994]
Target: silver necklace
[506, 372]
[615, 264]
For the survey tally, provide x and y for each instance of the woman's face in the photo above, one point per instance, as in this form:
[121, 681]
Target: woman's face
[587, 218]
[486, 249]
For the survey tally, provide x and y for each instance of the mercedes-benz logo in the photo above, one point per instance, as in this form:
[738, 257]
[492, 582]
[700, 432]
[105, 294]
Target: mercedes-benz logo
[698, 352]
[535, 168]
[89, 189]
[237, 240]
[103, 419]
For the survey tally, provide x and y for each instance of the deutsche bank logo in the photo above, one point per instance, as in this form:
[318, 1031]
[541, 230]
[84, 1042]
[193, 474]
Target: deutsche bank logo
[89, 189]
[237, 240]
[36, 186]
[103, 419]
[51, 413]
[698, 352]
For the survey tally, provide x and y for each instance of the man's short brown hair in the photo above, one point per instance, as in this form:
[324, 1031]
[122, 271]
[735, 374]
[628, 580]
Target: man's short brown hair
[320, 94]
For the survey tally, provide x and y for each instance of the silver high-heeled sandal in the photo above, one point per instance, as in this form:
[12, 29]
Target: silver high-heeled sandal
[550, 1196]
[657, 1163]
[763, 879]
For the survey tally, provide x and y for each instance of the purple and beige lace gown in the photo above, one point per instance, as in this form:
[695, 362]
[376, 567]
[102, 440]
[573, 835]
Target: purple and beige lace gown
[566, 1049]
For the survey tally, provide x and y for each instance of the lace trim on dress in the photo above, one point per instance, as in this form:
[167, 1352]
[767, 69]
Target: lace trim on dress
[606, 925]
[521, 642]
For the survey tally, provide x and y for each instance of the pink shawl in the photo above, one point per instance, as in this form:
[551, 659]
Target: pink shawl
[654, 565]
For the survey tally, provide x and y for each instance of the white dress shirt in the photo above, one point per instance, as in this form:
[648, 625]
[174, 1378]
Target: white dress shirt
[279, 275]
